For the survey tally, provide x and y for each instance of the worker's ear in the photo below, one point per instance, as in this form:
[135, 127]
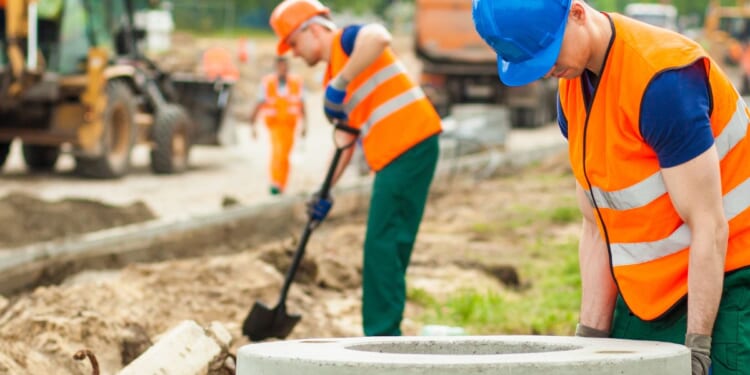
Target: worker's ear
[577, 12]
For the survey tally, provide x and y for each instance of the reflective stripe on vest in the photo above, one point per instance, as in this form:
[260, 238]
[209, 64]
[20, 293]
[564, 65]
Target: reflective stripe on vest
[376, 80]
[287, 105]
[652, 187]
[624, 254]
[391, 106]
[386, 105]
[384, 110]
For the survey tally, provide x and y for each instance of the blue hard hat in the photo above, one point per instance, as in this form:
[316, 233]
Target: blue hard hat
[525, 34]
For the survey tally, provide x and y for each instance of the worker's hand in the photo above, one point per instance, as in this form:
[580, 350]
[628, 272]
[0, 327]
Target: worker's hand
[334, 99]
[318, 206]
[700, 353]
[253, 132]
[586, 331]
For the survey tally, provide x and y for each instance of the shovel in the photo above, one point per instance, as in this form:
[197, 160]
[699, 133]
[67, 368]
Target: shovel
[263, 322]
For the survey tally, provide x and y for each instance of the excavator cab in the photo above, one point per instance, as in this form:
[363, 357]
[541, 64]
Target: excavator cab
[72, 75]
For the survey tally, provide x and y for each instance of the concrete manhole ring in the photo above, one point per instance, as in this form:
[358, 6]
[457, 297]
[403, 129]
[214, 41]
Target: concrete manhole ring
[529, 355]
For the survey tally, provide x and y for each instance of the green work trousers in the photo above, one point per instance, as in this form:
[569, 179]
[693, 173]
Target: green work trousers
[399, 195]
[730, 347]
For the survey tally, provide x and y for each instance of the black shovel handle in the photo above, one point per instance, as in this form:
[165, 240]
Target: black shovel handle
[311, 224]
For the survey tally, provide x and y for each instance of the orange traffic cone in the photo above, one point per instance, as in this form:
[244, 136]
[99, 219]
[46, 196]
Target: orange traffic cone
[242, 52]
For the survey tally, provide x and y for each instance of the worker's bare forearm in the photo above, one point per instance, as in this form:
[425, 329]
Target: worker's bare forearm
[254, 113]
[598, 289]
[706, 275]
[695, 190]
[371, 41]
[343, 138]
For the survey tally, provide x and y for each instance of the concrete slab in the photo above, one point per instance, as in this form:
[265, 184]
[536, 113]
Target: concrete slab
[183, 350]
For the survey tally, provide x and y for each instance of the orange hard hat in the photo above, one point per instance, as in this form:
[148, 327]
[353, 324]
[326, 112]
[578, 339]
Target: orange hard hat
[287, 17]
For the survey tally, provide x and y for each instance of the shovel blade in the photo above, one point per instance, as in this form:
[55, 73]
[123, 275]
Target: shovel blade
[263, 323]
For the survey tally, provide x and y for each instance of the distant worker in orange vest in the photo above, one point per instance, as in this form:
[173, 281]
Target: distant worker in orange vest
[281, 102]
[658, 143]
[369, 92]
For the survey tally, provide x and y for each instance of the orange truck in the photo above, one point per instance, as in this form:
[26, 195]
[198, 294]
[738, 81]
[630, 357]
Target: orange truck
[458, 67]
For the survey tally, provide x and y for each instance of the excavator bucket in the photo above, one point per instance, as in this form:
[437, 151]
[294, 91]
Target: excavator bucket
[207, 96]
[207, 103]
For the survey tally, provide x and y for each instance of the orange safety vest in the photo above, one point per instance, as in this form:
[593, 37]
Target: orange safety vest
[647, 240]
[282, 107]
[383, 102]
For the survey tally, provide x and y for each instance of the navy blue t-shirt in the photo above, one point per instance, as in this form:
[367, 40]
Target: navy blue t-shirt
[674, 115]
[348, 36]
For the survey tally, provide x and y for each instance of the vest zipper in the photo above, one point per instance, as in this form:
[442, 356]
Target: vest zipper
[583, 161]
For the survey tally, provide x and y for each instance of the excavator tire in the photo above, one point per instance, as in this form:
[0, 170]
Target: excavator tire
[4, 151]
[171, 136]
[40, 158]
[118, 136]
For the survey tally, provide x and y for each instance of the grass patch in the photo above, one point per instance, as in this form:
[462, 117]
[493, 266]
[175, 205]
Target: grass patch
[565, 214]
[483, 228]
[420, 297]
[549, 306]
[524, 216]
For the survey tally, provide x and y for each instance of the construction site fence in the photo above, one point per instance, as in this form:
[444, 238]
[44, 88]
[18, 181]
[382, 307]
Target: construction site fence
[219, 15]
[229, 15]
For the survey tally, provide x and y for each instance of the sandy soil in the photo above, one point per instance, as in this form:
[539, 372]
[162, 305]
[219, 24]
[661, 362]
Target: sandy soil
[118, 314]
[26, 219]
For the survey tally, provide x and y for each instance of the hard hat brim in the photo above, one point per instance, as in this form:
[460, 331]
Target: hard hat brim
[525, 72]
[282, 48]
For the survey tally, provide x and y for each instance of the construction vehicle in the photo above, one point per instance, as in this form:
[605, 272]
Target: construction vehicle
[72, 78]
[726, 36]
[459, 67]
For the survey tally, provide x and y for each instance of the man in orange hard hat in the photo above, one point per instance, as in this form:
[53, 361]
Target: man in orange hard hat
[280, 99]
[370, 98]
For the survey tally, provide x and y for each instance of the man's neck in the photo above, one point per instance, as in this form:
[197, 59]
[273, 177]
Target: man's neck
[328, 44]
[601, 36]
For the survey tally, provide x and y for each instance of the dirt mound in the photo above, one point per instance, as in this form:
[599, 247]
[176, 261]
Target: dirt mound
[26, 219]
[115, 315]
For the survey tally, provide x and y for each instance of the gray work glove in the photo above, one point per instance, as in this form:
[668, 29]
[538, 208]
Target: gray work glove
[586, 331]
[700, 352]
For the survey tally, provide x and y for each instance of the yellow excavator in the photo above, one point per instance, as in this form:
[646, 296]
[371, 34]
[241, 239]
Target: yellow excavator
[73, 79]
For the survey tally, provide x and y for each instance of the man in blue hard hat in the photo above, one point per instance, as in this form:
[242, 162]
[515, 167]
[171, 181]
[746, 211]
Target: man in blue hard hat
[658, 145]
